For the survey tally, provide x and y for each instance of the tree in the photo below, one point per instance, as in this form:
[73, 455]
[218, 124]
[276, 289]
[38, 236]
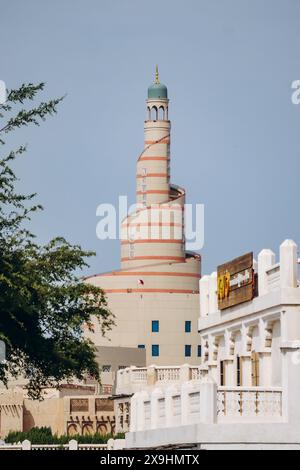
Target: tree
[43, 302]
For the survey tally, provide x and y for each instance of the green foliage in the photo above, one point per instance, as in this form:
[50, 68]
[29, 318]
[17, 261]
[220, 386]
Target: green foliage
[35, 436]
[43, 302]
[44, 436]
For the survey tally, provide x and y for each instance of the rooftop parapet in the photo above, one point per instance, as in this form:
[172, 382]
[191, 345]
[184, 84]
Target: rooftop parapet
[135, 379]
[271, 276]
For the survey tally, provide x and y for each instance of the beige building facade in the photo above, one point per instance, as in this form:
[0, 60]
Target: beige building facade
[72, 411]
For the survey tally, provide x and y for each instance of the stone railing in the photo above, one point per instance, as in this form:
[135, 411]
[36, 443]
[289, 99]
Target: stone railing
[197, 402]
[167, 374]
[112, 444]
[176, 405]
[196, 373]
[133, 379]
[251, 403]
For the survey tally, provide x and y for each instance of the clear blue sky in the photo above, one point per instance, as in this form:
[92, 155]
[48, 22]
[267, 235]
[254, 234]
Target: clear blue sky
[228, 65]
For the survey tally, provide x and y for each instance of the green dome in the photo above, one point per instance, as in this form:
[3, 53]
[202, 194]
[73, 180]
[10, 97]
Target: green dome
[157, 91]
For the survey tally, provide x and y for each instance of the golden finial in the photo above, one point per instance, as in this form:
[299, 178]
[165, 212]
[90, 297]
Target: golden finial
[157, 82]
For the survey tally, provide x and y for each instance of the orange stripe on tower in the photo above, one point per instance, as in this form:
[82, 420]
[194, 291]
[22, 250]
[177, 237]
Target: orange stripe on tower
[153, 191]
[163, 141]
[165, 291]
[153, 175]
[150, 273]
[151, 224]
[167, 258]
[164, 159]
[152, 240]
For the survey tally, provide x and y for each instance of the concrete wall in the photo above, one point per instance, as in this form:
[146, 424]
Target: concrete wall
[11, 412]
[134, 325]
[118, 357]
[45, 413]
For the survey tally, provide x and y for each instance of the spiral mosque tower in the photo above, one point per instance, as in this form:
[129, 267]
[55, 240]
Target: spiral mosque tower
[155, 294]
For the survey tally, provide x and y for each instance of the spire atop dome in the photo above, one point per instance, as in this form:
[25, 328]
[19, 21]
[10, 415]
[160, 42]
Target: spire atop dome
[157, 90]
[157, 82]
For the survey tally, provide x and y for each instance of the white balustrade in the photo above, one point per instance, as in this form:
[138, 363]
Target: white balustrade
[196, 373]
[168, 374]
[249, 403]
[135, 379]
[139, 375]
[72, 445]
[202, 402]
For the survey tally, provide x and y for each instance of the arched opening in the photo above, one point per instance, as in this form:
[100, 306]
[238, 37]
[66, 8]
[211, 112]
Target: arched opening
[148, 113]
[161, 113]
[102, 429]
[72, 430]
[154, 113]
[87, 430]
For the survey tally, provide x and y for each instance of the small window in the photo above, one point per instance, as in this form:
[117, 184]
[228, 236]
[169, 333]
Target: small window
[155, 326]
[188, 326]
[155, 350]
[122, 367]
[199, 351]
[141, 346]
[188, 350]
[255, 369]
[222, 373]
[106, 368]
[238, 371]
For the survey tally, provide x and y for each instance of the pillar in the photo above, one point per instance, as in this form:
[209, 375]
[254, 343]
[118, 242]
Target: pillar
[185, 373]
[266, 369]
[213, 296]
[291, 383]
[208, 401]
[288, 264]
[204, 296]
[266, 259]
[133, 412]
[151, 375]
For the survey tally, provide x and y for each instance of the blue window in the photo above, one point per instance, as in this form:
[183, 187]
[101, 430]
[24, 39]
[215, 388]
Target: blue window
[188, 351]
[155, 326]
[188, 326]
[155, 350]
[199, 351]
[141, 346]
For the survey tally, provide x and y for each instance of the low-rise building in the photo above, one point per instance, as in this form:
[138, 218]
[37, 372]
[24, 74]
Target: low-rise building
[71, 410]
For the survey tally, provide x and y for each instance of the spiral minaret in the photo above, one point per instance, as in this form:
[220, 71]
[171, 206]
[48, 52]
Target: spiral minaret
[158, 280]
